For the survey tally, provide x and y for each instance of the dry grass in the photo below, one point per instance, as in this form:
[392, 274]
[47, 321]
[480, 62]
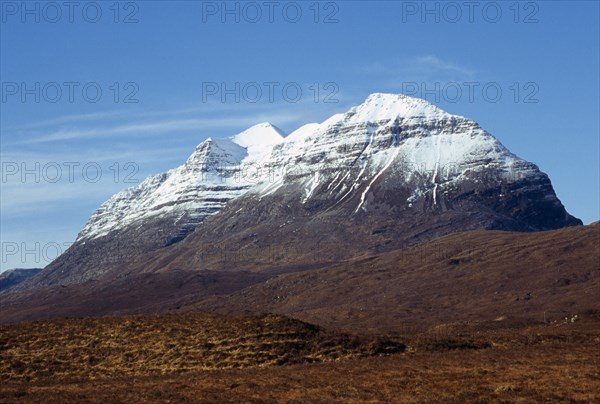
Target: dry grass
[91, 348]
[163, 359]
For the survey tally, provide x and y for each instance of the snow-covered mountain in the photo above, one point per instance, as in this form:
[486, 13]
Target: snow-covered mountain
[390, 171]
[217, 171]
[350, 152]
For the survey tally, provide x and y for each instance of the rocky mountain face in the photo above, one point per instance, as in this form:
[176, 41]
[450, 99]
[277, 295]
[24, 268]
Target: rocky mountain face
[390, 173]
[210, 177]
[164, 208]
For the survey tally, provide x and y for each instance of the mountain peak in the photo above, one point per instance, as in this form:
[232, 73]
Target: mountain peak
[258, 140]
[261, 134]
[384, 106]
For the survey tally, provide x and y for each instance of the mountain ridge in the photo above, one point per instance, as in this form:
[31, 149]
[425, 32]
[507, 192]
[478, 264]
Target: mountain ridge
[394, 162]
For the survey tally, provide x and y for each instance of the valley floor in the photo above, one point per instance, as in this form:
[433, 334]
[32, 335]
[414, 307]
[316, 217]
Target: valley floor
[558, 362]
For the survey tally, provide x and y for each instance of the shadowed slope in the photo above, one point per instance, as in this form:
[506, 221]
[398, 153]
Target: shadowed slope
[473, 275]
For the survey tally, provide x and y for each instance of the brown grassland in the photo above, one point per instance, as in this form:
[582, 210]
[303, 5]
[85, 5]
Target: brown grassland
[207, 358]
[470, 317]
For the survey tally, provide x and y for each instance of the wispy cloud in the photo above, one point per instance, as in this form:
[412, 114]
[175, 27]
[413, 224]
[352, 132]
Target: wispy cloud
[419, 68]
[156, 127]
[112, 115]
[102, 156]
[27, 199]
[74, 118]
[436, 63]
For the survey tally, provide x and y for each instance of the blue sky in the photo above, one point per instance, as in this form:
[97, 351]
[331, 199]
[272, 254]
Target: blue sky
[162, 68]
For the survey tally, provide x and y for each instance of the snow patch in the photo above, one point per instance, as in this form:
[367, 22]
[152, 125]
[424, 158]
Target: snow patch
[313, 185]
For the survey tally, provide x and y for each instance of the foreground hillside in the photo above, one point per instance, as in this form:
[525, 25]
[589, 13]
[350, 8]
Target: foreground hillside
[480, 275]
[204, 358]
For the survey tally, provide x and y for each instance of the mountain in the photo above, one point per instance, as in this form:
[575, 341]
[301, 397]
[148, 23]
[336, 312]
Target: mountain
[164, 208]
[393, 172]
[209, 178]
[12, 277]
[390, 173]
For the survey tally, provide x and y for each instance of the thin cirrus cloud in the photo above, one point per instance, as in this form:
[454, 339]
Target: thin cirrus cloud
[85, 126]
[436, 63]
[156, 127]
[27, 199]
[120, 113]
[424, 67]
[155, 122]
[66, 119]
[123, 154]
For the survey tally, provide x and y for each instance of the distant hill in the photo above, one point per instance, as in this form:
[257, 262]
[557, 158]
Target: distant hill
[15, 276]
